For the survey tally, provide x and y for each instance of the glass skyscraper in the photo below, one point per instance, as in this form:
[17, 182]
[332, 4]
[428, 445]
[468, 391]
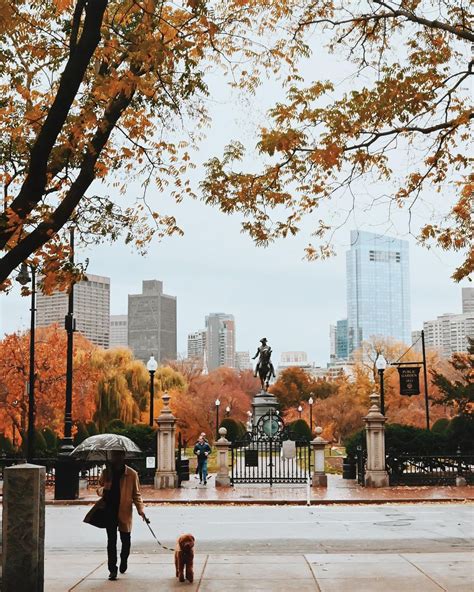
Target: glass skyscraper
[378, 289]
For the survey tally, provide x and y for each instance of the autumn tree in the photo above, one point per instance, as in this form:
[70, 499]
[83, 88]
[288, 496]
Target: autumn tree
[407, 102]
[107, 91]
[456, 389]
[122, 386]
[195, 407]
[50, 379]
[295, 384]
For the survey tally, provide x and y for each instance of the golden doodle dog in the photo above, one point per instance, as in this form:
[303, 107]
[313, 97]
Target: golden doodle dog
[184, 558]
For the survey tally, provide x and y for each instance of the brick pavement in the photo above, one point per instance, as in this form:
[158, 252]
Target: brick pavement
[338, 491]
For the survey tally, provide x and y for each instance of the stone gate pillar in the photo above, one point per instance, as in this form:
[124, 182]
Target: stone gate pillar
[222, 445]
[166, 475]
[319, 478]
[23, 529]
[375, 474]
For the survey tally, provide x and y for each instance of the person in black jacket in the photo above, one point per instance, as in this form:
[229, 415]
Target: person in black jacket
[202, 450]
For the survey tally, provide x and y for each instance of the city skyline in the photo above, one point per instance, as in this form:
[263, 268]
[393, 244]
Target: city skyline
[314, 293]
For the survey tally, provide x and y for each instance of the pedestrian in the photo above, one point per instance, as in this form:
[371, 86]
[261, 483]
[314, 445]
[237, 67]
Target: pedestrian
[120, 489]
[202, 435]
[202, 451]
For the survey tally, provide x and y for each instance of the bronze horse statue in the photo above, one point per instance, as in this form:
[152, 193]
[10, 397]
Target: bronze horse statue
[264, 368]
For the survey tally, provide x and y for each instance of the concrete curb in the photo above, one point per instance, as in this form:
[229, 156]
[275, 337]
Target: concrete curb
[267, 502]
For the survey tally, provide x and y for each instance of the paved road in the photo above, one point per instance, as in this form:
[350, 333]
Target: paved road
[283, 529]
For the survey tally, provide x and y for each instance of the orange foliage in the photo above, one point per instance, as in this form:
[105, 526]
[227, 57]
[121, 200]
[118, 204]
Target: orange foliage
[50, 383]
[195, 407]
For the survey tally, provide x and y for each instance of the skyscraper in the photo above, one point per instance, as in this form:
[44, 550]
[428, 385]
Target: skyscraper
[197, 344]
[449, 332]
[118, 331]
[91, 309]
[378, 289]
[220, 329]
[243, 361]
[152, 323]
[467, 300]
[342, 345]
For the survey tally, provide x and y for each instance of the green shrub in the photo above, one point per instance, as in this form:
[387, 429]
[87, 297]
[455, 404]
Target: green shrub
[460, 434]
[235, 429]
[51, 440]
[403, 439]
[300, 430]
[114, 425]
[440, 426]
[81, 434]
[6, 446]
[142, 434]
[91, 428]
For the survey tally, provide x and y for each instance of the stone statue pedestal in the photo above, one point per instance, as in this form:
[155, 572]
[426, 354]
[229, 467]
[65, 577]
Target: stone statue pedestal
[262, 403]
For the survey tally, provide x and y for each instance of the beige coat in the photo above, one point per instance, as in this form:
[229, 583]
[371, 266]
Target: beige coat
[129, 495]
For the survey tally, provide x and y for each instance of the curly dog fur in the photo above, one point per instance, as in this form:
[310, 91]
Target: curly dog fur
[184, 558]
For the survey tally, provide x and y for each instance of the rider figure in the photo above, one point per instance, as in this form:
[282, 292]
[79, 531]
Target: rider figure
[264, 352]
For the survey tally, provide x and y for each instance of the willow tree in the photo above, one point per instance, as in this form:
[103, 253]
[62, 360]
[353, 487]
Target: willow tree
[400, 133]
[121, 386]
[110, 91]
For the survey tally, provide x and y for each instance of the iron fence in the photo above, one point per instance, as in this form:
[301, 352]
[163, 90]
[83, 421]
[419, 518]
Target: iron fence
[88, 470]
[408, 469]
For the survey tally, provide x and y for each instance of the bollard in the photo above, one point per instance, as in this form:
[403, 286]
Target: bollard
[23, 528]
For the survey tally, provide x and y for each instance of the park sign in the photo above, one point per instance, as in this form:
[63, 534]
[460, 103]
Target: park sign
[409, 380]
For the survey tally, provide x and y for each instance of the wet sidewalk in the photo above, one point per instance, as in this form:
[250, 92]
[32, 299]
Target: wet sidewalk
[339, 490]
[371, 572]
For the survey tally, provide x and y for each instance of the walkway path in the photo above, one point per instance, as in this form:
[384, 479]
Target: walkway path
[338, 491]
[423, 572]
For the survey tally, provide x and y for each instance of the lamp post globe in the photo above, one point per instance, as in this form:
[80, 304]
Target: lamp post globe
[381, 365]
[152, 366]
[310, 403]
[300, 409]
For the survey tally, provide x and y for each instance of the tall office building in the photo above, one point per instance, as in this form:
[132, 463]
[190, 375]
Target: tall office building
[91, 309]
[378, 289]
[118, 331]
[197, 344]
[220, 329]
[152, 323]
[243, 361]
[332, 342]
[342, 344]
[448, 333]
[468, 300]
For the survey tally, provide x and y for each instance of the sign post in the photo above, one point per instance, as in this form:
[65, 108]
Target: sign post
[409, 380]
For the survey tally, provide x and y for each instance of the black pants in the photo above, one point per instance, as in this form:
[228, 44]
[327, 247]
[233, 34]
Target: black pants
[112, 546]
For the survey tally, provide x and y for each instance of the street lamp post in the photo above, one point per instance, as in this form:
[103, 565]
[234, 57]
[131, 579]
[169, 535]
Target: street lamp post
[152, 366]
[217, 418]
[66, 482]
[300, 409]
[67, 444]
[227, 411]
[381, 365]
[310, 403]
[24, 278]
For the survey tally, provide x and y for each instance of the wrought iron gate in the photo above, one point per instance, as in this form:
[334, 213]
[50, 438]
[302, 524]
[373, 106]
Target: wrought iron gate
[263, 457]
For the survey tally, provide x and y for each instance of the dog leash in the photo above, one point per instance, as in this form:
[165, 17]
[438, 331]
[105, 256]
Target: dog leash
[147, 520]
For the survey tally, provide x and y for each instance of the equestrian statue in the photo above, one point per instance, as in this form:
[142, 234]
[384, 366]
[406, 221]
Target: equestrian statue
[264, 368]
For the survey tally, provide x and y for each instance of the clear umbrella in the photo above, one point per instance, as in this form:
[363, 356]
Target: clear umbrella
[99, 447]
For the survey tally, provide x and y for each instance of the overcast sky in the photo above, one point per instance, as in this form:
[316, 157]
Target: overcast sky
[272, 292]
